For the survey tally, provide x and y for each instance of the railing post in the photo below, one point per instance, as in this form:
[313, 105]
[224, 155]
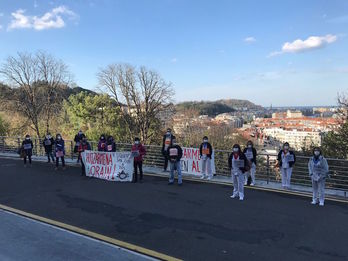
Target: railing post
[35, 144]
[72, 150]
[267, 168]
[3, 144]
[19, 142]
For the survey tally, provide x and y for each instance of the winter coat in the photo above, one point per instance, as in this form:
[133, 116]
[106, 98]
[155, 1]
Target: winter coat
[206, 149]
[141, 150]
[254, 154]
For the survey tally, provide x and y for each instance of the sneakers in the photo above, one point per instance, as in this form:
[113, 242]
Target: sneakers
[252, 184]
[321, 204]
[203, 177]
[314, 202]
[234, 196]
[241, 198]
[209, 178]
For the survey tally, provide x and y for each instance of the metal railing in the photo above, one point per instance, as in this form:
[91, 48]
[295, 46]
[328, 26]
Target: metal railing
[265, 170]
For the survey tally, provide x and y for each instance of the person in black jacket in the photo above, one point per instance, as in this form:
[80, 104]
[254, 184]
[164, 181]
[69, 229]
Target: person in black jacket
[60, 150]
[27, 147]
[174, 153]
[286, 160]
[238, 164]
[205, 152]
[48, 142]
[167, 141]
[77, 139]
[251, 154]
[110, 144]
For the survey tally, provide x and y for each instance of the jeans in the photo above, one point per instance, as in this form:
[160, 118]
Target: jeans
[319, 190]
[175, 165]
[286, 177]
[50, 156]
[138, 164]
[57, 161]
[29, 158]
[206, 168]
[238, 184]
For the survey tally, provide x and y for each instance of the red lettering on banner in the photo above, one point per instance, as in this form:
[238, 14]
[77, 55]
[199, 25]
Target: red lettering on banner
[195, 153]
[97, 170]
[195, 166]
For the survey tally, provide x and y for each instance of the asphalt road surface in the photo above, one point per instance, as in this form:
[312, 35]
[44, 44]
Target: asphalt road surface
[197, 221]
[25, 239]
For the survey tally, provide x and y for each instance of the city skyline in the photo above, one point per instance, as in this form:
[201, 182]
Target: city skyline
[292, 53]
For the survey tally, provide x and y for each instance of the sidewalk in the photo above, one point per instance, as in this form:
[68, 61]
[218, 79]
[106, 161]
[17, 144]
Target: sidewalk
[219, 179]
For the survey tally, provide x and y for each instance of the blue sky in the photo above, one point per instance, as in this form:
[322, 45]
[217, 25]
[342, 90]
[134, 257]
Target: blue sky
[287, 52]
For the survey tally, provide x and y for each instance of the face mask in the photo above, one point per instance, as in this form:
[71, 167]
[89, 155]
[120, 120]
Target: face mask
[316, 153]
[27, 138]
[250, 146]
[48, 136]
[136, 142]
[174, 142]
[286, 148]
[102, 138]
[235, 150]
[205, 141]
[168, 133]
[59, 137]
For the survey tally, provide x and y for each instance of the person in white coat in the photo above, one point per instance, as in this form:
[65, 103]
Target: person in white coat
[238, 164]
[286, 161]
[318, 171]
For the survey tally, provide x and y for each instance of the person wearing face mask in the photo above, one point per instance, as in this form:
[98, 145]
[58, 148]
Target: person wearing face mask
[102, 144]
[110, 144]
[77, 139]
[138, 152]
[205, 152]
[60, 151]
[84, 145]
[27, 147]
[238, 164]
[251, 154]
[318, 171]
[286, 161]
[47, 143]
[167, 141]
[174, 153]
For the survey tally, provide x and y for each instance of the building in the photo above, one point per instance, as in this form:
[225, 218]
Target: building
[297, 139]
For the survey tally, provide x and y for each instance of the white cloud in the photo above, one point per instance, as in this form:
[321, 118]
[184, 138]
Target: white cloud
[311, 43]
[51, 19]
[249, 39]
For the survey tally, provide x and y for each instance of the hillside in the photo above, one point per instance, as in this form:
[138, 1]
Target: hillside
[6, 91]
[213, 108]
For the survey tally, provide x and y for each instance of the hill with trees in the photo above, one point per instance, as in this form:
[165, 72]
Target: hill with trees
[213, 108]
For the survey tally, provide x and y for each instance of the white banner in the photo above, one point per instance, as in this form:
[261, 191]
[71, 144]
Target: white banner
[112, 166]
[191, 162]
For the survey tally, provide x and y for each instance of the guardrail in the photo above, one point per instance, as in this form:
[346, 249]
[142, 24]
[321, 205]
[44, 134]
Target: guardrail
[265, 171]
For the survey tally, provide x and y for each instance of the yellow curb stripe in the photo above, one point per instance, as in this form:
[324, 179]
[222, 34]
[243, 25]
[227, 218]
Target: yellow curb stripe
[294, 193]
[84, 232]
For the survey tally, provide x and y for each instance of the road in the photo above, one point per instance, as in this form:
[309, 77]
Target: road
[198, 221]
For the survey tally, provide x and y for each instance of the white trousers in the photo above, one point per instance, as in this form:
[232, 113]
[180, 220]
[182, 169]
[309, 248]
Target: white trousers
[318, 188]
[238, 184]
[286, 177]
[206, 168]
[251, 173]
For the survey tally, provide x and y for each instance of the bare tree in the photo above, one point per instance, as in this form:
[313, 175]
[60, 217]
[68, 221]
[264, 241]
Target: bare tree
[141, 95]
[36, 81]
